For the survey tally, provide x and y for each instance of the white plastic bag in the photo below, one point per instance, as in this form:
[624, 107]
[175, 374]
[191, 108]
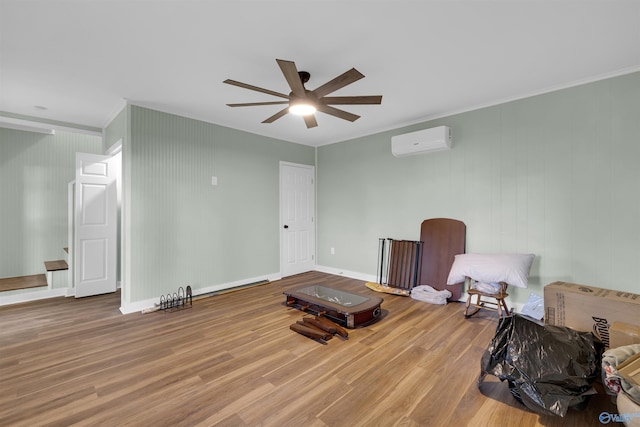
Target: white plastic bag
[428, 294]
[534, 307]
[487, 288]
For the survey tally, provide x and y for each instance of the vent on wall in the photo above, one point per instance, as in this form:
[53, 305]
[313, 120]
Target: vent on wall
[421, 142]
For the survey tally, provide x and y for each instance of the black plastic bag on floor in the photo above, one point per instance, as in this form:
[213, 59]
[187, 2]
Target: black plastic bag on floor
[549, 368]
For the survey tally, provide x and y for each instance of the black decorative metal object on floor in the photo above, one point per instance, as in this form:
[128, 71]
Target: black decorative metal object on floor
[178, 301]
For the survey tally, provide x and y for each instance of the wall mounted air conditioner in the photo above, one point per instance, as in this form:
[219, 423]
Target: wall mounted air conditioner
[421, 142]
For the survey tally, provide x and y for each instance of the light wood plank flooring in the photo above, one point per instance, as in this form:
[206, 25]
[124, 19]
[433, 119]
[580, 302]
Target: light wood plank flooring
[231, 360]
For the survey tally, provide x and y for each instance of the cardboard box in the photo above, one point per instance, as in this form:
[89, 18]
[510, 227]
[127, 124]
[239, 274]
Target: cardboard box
[587, 308]
[621, 333]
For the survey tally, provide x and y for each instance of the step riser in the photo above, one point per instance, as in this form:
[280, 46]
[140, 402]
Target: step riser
[57, 276]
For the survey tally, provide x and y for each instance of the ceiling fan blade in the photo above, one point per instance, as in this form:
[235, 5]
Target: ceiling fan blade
[252, 104]
[256, 88]
[338, 113]
[341, 81]
[276, 116]
[310, 121]
[293, 78]
[336, 100]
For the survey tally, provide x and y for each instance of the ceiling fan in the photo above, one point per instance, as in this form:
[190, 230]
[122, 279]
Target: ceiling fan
[304, 102]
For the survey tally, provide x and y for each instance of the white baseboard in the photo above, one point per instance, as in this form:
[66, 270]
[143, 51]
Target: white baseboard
[517, 307]
[32, 296]
[139, 306]
[342, 272]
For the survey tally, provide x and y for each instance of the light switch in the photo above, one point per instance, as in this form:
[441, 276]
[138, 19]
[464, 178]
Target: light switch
[214, 180]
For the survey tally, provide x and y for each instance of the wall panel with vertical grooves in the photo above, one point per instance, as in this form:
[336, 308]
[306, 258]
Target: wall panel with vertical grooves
[183, 229]
[555, 174]
[34, 172]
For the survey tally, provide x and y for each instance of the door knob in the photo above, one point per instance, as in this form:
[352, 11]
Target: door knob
[286, 226]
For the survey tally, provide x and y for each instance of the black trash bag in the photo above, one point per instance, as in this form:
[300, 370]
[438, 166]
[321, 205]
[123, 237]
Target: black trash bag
[548, 368]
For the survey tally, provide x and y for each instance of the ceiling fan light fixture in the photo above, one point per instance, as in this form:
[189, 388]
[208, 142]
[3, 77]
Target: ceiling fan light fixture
[301, 108]
[303, 102]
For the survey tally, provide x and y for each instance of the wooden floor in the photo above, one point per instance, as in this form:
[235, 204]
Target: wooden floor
[231, 360]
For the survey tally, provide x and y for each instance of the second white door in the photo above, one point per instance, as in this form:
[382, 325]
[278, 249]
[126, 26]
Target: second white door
[297, 210]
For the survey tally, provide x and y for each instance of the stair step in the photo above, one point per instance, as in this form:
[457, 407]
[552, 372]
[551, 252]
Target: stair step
[56, 265]
[23, 282]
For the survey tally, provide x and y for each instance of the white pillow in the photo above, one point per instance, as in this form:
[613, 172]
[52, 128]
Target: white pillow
[512, 269]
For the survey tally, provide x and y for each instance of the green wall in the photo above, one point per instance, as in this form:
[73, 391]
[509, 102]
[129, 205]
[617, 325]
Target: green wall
[116, 130]
[182, 230]
[34, 172]
[555, 174]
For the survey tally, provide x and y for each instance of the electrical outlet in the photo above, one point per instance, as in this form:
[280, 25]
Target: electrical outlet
[333, 251]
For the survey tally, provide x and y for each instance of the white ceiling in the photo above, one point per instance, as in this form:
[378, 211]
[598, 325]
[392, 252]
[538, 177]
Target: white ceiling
[81, 59]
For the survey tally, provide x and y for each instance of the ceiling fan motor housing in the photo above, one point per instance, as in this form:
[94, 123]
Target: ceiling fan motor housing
[304, 76]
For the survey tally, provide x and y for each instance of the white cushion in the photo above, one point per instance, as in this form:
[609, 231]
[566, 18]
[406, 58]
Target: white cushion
[428, 294]
[628, 409]
[512, 269]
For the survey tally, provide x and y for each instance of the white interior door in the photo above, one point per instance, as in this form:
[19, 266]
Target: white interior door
[297, 210]
[95, 225]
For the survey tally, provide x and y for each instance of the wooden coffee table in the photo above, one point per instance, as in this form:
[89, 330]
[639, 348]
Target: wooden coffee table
[350, 310]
